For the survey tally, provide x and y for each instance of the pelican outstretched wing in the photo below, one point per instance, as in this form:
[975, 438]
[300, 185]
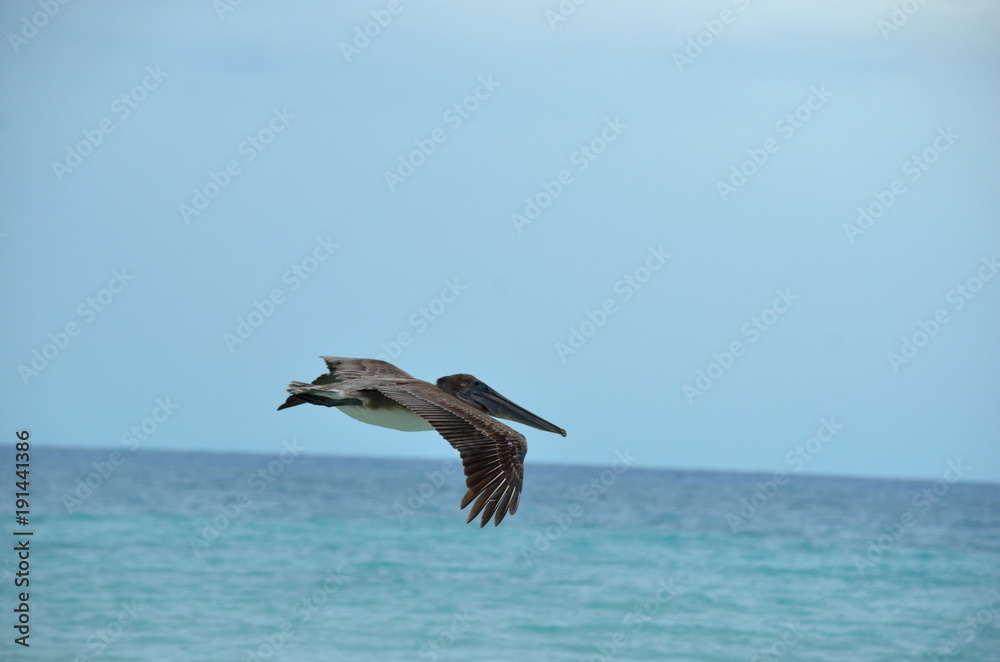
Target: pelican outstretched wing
[492, 453]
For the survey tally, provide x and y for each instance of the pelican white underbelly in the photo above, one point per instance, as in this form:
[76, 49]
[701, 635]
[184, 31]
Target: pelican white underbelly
[396, 418]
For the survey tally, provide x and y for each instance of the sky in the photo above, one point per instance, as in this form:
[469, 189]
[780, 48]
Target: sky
[736, 235]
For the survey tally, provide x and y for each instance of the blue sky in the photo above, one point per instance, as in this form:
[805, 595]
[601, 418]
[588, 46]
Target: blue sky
[733, 235]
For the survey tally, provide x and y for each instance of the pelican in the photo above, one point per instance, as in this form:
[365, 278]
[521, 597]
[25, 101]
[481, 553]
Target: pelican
[460, 408]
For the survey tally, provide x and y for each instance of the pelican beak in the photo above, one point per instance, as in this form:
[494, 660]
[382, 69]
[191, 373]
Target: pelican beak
[498, 406]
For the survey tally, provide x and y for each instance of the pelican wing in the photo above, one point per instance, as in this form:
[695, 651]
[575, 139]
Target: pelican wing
[492, 453]
[342, 368]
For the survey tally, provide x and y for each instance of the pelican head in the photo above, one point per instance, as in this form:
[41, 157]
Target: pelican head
[477, 394]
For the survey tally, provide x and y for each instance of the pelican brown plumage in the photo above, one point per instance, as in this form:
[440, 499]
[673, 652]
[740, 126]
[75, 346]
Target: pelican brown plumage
[460, 408]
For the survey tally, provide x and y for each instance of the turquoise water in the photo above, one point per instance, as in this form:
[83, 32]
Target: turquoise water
[182, 556]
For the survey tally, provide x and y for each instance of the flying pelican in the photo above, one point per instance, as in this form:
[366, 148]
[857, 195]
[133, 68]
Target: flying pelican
[460, 408]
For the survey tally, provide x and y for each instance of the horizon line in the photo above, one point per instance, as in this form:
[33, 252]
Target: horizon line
[750, 472]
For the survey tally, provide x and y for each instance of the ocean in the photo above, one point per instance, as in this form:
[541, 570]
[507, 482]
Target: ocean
[199, 556]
